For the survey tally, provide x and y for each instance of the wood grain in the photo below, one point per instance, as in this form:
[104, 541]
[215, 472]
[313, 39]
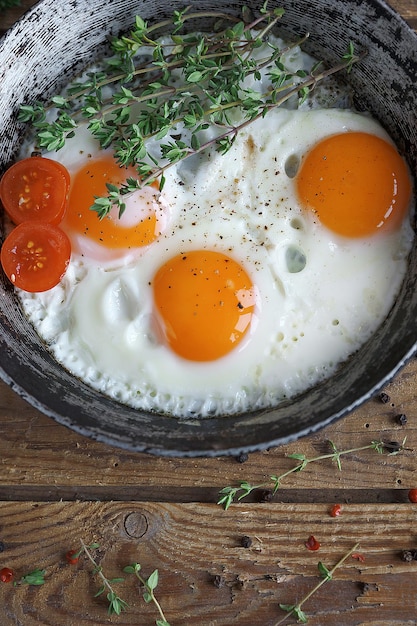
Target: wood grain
[39, 458]
[190, 545]
[57, 487]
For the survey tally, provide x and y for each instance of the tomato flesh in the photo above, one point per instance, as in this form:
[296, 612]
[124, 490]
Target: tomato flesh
[35, 256]
[35, 188]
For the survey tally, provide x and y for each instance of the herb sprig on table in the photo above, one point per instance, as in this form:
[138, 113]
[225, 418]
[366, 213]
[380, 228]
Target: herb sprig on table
[169, 91]
[326, 575]
[115, 603]
[230, 494]
[149, 585]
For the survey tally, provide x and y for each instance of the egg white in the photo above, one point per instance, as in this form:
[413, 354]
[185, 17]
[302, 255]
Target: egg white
[99, 321]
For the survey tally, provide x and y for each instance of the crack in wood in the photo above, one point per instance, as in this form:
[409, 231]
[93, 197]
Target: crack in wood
[119, 493]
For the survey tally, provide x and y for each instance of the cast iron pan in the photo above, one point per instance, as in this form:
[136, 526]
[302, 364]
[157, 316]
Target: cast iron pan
[41, 53]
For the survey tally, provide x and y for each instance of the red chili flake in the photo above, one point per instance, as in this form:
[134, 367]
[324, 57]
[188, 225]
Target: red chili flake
[358, 557]
[6, 575]
[312, 544]
[335, 510]
[412, 495]
[72, 556]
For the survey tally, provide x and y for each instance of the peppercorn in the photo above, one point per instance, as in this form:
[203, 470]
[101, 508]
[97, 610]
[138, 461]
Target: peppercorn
[402, 419]
[218, 581]
[242, 457]
[265, 495]
[246, 542]
[409, 555]
[2, 546]
[384, 397]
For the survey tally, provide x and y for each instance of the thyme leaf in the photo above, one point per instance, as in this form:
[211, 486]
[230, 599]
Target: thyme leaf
[35, 578]
[116, 604]
[175, 93]
[229, 494]
[326, 574]
[149, 585]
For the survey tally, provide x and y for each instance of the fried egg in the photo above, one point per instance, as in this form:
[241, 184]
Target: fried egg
[247, 280]
[114, 239]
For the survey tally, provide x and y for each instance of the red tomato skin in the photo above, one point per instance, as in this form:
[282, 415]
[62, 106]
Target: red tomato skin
[35, 188]
[35, 256]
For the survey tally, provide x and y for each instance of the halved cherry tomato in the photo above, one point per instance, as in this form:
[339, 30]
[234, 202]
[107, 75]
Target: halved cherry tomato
[35, 189]
[35, 256]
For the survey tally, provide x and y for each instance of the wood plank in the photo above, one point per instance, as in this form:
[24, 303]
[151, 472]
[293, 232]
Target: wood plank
[34, 451]
[408, 10]
[190, 544]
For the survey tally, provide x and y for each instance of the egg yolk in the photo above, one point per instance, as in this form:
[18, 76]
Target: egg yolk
[356, 183]
[111, 232]
[205, 303]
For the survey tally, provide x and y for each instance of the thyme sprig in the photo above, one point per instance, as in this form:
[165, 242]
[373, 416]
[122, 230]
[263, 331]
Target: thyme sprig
[326, 574]
[178, 95]
[149, 585]
[116, 604]
[229, 494]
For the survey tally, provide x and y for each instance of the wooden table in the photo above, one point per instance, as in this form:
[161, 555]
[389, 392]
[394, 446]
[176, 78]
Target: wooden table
[57, 488]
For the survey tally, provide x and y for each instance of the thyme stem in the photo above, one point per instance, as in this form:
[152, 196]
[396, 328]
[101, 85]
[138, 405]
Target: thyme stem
[151, 592]
[116, 604]
[229, 494]
[296, 609]
[187, 82]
